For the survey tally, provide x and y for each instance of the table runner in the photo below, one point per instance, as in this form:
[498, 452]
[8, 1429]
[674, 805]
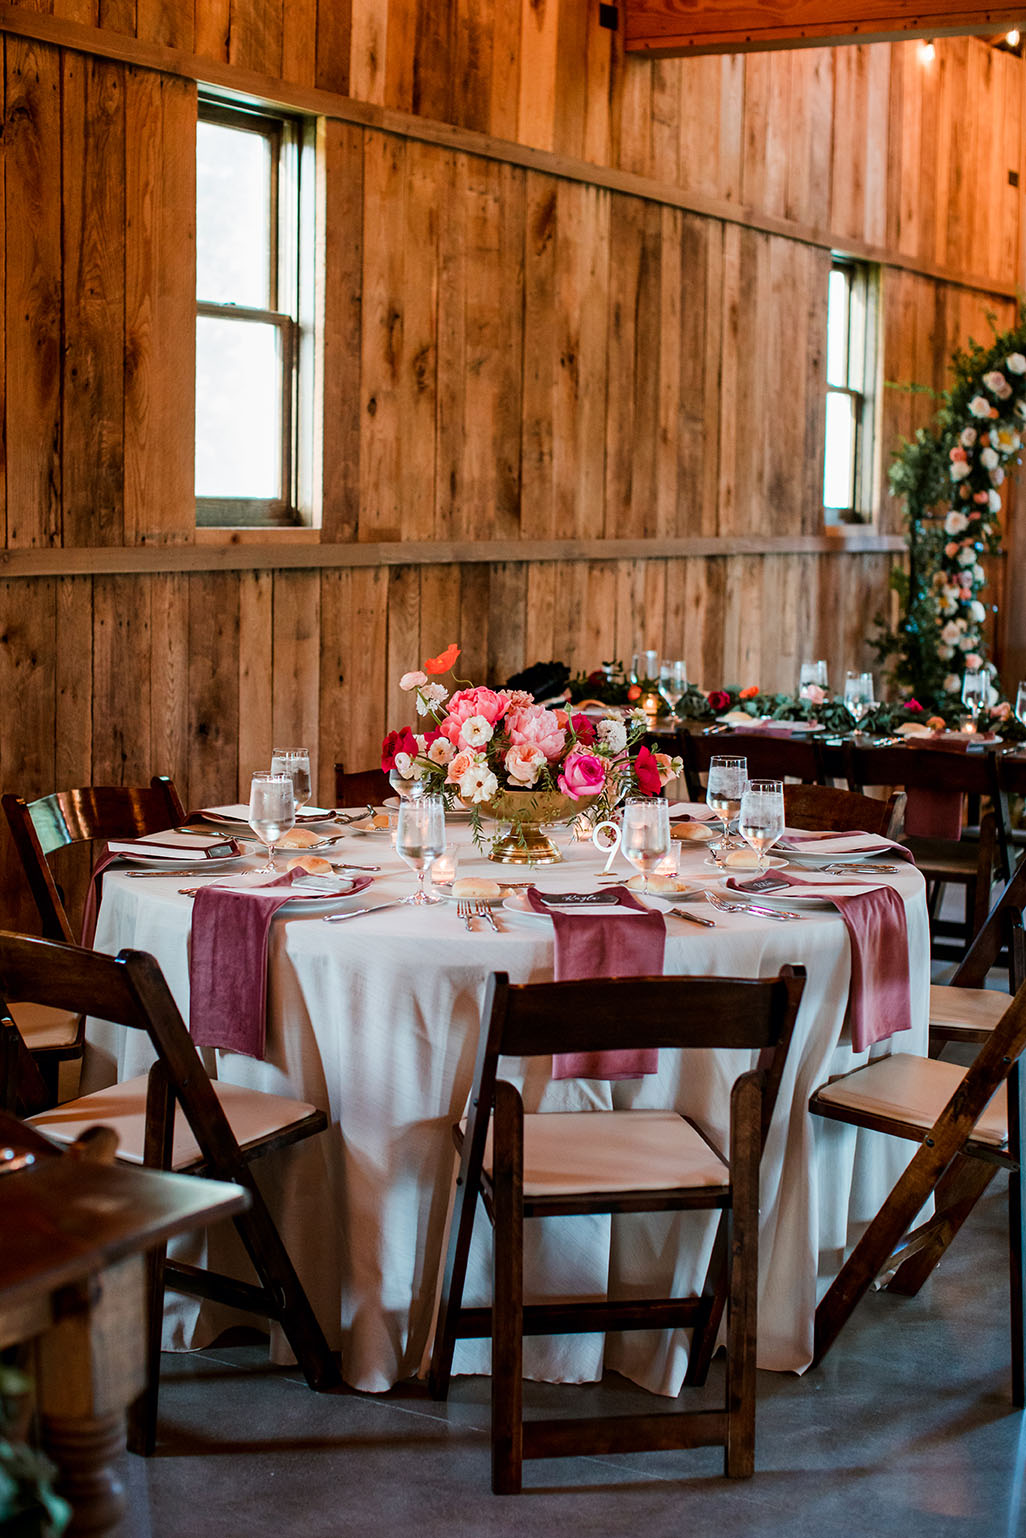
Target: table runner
[605, 945]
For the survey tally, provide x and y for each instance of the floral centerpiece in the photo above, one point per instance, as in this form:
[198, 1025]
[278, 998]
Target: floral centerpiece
[515, 761]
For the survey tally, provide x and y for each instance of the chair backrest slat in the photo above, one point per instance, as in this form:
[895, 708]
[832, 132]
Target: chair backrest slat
[1005, 917]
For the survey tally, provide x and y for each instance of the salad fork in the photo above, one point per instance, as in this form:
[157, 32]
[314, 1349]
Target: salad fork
[465, 912]
[482, 911]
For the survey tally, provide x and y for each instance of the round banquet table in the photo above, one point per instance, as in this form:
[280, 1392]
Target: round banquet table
[376, 1020]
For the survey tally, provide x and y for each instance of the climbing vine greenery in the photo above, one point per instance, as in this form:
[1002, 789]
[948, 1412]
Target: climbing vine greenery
[951, 476]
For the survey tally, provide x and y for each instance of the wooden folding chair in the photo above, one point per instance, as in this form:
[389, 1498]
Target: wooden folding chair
[966, 1009]
[558, 1164]
[221, 1130]
[367, 787]
[969, 862]
[825, 808]
[41, 828]
[769, 757]
[963, 1140]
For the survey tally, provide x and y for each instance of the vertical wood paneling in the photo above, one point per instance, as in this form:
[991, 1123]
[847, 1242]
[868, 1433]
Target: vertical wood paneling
[121, 680]
[32, 171]
[353, 671]
[382, 337]
[213, 653]
[257, 670]
[296, 654]
[93, 417]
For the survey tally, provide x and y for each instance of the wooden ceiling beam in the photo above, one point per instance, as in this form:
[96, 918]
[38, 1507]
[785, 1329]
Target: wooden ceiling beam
[667, 28]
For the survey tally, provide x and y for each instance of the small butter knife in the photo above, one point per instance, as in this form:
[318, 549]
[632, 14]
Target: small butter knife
[692, 918]
[354, 913]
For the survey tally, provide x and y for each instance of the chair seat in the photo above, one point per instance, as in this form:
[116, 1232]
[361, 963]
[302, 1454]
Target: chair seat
[254, 1117]
[940, 857]
[576, 1153]
[41, 1026]
[971, 1009]
[913, 1090]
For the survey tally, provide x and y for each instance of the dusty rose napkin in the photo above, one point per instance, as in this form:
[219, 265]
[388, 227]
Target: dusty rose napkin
[880, 994]
[801, 839]
[91, 906]
[934, 813]
[228, 962]
[606, 945]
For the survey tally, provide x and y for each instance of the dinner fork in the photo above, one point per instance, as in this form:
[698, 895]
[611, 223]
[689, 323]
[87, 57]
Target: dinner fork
[482, 911]
[465, 912]
[784, 915]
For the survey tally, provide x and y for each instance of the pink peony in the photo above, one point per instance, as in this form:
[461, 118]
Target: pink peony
[524, 764]
[532, 726]
[583, 775]
[473, 702]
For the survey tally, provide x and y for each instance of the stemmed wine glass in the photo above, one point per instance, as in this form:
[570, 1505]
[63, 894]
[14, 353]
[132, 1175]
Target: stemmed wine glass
[295, 762]
[724, 789]
[420, 839]
[673, 683]
[272, 812]
[645, 834]
[761, 821]
[1020, 703]
[859, 695]
[812, 673]
[975, 687]
[643, 666]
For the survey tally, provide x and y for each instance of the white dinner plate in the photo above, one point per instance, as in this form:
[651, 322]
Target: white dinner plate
[367, 827]
[851, 857]
[154, 862]
[300, 900]
[518, 906]
[238, 813]
[489, 902]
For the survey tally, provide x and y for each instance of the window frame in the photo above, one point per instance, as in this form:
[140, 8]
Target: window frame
[862, 363]
[288, 138]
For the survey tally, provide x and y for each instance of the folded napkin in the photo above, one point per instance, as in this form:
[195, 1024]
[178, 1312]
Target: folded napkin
[934, 813]
[880, 995]
[691, 811]
[605, 945]
[228, 961]
[91, 907]
[799, 841]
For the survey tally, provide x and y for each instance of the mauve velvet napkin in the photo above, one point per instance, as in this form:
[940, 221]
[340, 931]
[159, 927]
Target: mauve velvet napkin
[880, 994]
[91, 906]
[934, 813]
[228, 946]
[606, 945]
[801, 840]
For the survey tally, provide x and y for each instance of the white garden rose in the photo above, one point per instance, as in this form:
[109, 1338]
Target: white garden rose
[989, 458]
[955, 522]
[997, 477]
[951, 633]
[1016, 363]
[994, 501]
[969, 642]
[997, 384]
[977, 576]
[967, 557]
[967, 437]
[952, 684]
[475, 732]
[960, 470]
[979, 406]
[945, 653]
[441, 751]
[977, 613]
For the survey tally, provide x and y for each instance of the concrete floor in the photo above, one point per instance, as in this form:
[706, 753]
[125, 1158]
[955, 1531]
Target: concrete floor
[906, 1430]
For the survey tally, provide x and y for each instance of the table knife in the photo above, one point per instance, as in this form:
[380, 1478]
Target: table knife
[354, 913]
[692, 918]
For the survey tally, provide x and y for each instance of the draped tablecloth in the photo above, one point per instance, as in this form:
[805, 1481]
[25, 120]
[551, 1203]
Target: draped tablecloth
[376, 1021]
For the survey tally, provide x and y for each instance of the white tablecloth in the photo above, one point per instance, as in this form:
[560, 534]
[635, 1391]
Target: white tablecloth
[376, 1021]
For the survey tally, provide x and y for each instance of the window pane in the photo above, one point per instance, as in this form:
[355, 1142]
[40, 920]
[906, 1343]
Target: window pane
[233, 216]
[857, 337]
[238, 409]
[839, 468]
[837, 327]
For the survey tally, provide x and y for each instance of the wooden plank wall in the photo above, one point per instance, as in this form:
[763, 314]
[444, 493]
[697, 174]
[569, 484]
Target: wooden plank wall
[510, 352]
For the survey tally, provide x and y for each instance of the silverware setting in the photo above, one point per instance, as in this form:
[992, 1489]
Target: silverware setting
[784, 915]
[869, 869]
[468, 910]
[354, 913]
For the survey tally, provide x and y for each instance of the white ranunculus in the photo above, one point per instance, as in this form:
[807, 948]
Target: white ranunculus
[612, 735]
[960, 470]
[952, 684]
[441, 751]
[956, 523]
[980, 406]
[406, 767]
[1016, 363]
[989, 458]
[977, 613]
[994, 501]
[478, 784]
[967, 556]
[951, 633]
[475, 732]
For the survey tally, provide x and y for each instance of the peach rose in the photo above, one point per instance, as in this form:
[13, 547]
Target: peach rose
[524, 763]
[458, 767]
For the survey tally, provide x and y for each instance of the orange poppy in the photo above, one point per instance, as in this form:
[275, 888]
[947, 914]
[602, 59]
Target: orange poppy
[443, 663]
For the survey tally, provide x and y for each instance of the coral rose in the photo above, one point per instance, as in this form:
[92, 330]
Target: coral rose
[458, 767]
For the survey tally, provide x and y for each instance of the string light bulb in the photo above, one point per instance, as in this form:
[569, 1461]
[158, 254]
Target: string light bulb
[1012, 38]
[927, 52]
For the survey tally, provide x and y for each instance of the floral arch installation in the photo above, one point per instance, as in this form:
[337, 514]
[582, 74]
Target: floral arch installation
[951, 476]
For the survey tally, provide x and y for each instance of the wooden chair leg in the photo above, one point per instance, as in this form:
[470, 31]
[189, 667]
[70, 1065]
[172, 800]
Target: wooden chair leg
[508, 1298]
[453, 1281]
[142, 1416]
[957, 1194]
[1016, 1232]
[714, 1298]
[743, 1283]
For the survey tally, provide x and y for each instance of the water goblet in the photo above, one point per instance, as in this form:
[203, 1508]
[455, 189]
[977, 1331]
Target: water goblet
[673, 683]
[420, 839]
[1020, 703]
[645, 834]
[761, 820]
[295, 762]
[644, 666]
[859, 695]
[975, 688]
[814, 673]
[272, 812]
[724, 789]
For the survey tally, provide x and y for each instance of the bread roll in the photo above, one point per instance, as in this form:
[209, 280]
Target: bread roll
[657, 884]
[696, 832]
[298, 838]
[312, 864]
[478, 888]
[741, 859]
[379, 820]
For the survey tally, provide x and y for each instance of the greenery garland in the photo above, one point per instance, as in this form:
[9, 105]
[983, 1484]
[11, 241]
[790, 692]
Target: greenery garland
[950, 476]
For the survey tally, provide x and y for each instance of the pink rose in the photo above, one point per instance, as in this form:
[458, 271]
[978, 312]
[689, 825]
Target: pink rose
[958, 456]
[524, 764]
[951, 549]
[458, 767]
[473, 702]
[583, 775]
[534, 727]
[813, 694]
[973, 661]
